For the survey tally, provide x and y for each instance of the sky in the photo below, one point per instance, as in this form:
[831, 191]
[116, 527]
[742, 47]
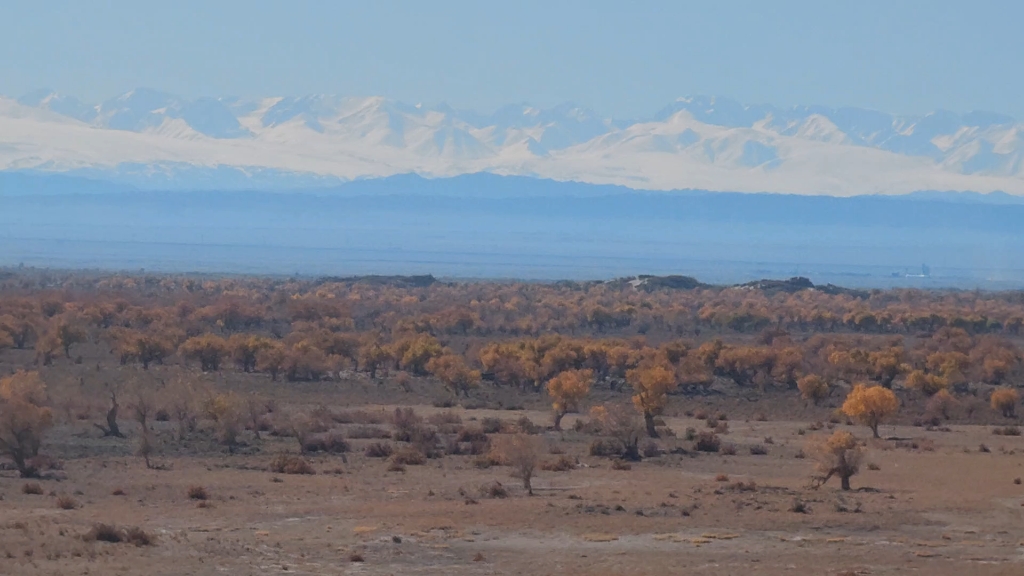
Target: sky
[624, 59]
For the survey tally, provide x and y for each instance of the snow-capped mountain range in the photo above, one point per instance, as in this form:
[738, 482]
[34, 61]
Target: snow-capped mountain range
[151, 139]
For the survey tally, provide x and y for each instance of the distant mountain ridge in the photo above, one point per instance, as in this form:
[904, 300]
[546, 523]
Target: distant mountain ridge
[481, 185]
[153, 140]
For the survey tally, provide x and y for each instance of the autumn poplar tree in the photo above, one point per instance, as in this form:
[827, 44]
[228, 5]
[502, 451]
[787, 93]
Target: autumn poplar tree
[452, 371]
[24, 417]
[567, 390]
[813, 387]
[838, 455]
[870, 405]
[1005, 401]
[651, 385]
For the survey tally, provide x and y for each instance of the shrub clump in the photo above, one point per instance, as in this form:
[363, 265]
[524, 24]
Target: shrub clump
[379, 450]
[707, 442]
[290, 464]
[526, 426]
[471, 434]
[562, 464]
[407, 423]
[408, 457]
[330, 442]
[491, 425]
[198, 493]
[447, 418]
[32, 489]
[605, 447]
[110, 533]
[494, 490]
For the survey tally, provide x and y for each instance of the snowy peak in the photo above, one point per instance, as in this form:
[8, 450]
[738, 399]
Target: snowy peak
[706, 142]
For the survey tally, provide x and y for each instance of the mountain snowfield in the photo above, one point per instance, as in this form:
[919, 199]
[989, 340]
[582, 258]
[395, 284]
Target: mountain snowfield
[152, 140]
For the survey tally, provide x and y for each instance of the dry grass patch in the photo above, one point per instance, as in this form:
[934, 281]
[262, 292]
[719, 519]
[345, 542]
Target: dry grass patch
[494, 490]
[379, 450]
[197, 493]
[562, 464]
[32, 489]
[600, 537]
[110, 533]
[291, 464]
[408, 457]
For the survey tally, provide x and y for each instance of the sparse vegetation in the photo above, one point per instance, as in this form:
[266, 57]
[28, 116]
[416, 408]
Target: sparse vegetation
[32, 488]
[522, 453]
[112, 534]
[309, 363]
[707, 442]
[291, 464]
[838, 455]
[198, 493]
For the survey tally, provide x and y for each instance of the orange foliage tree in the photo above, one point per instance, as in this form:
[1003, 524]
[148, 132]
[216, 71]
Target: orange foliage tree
[813, 387]
[24, 418]
[452, 371]
[870, 405]
[1005, 401]
[567, 390]
[208, 349]
[928, 384]
[651, 385]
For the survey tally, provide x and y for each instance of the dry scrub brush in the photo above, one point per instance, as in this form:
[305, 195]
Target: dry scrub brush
[838, 455]
[290, 464]
[521, 452]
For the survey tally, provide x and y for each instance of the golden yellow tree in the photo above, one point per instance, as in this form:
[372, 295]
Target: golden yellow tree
[245, 349]
[208, 349]
[23, 419]
[651, 385]
[925, 383]
[813, 387]
[272, 359]
[567, 390]
[838, 455]
[870, 405]
[452, 371]
[1005, 400]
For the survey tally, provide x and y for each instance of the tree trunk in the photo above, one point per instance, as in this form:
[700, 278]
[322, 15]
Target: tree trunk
[845, 482]
[649, 421]
[874, 430]
[558, 420]
[631, 452]
[112, 429]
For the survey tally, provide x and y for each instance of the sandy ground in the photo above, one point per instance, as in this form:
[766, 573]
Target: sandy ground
[942, 508]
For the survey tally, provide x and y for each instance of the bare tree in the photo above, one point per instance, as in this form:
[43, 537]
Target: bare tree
[521, 452]
[838, 455]
[111, 429]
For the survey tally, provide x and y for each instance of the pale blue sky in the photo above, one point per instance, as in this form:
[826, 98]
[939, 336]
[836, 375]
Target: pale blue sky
[624, 59]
